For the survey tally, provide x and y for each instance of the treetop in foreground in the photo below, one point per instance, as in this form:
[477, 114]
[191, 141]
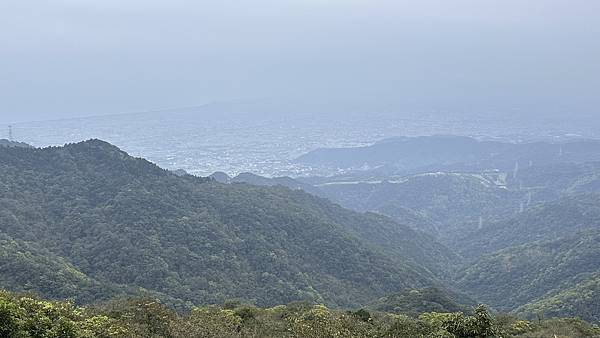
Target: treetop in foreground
[28, 316]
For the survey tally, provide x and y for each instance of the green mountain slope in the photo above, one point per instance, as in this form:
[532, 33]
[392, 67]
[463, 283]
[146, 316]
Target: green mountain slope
[580, 300]
[124, 221]
[432, 299]
[401, 215]
[455, 202]
[545, 221]
[283, 181]
[412, 218]
[27, 268]
[550, 181]
[519, 275]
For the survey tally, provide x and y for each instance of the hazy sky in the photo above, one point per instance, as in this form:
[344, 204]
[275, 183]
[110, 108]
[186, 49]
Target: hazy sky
[66, 58]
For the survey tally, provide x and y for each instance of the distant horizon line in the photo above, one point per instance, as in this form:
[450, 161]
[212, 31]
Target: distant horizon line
[455, 110]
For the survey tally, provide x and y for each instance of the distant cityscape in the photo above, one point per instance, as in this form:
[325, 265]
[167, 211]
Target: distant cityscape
[233, 144]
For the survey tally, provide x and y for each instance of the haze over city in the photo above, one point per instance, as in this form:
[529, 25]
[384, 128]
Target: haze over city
[66, 58]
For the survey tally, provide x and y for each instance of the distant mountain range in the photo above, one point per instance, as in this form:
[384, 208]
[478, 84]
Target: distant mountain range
[526, 230]
[449, 203]
[405, 155]
[269, 182]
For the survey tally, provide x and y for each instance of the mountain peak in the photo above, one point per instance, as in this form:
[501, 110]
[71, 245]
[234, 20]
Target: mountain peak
[95, 144]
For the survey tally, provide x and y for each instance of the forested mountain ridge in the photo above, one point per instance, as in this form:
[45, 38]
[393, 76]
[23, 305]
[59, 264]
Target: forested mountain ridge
[451, 205]
[538, 272]
[126, 223]
[550, 220]
[452, 202]
[283, 181]
[446, 152]
[25, 267]
[91, 222]
[416, 301]
[581, 300]
[385, 236]
[472, 212]
[551, 181]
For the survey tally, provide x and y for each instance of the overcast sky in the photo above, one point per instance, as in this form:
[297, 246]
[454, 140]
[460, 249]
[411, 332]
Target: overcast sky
[66, 58]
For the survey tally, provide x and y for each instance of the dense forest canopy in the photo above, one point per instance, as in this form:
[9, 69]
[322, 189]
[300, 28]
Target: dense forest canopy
[114, 224]
[89, 223]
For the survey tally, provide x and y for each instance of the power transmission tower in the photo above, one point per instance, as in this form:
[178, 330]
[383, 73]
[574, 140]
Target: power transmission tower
[10, 133]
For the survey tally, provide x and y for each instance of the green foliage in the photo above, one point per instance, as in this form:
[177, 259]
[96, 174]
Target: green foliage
[25, 316]
[362, 314]
[432, 299]
[550, 220]
[580, 300]
[26, 267]
[209, 322]
[90, 222]
[480, 325]
[142, 317]
[447, 205]
[564, 327]
[404, 326]
[558, 276]
[548, 262]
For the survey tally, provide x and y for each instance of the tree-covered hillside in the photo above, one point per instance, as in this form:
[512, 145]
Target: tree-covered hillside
[550, 182]
[415, 301]
[26, 267]
[579, 300]
[115, 222]
[537, 272]
[283, 181]
[454, 202]
[548, 220]
[89, 222]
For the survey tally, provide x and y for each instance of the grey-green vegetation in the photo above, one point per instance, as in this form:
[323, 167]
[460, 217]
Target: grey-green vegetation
[141, 251]
[112, 222]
